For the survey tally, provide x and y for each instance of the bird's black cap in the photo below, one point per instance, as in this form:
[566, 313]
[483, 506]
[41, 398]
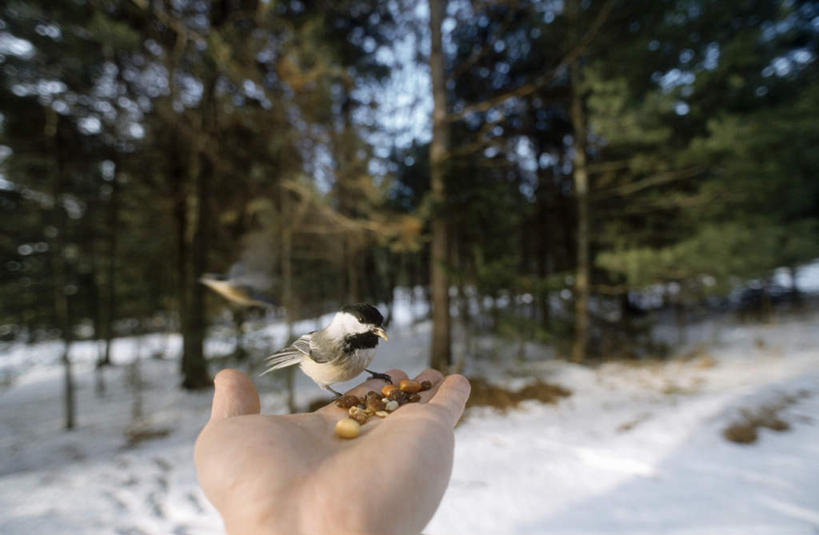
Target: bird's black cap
[364, 313]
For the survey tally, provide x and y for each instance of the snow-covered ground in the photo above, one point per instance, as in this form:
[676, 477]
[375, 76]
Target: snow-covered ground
[637, 448]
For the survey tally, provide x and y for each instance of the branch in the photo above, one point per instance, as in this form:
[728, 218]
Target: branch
[182, 32]
[545, 78]
[634, 187]
[477, 54]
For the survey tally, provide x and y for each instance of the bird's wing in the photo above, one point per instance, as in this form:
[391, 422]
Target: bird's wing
[290, 355]
[241, 294]
[303, 344]
[320, 349]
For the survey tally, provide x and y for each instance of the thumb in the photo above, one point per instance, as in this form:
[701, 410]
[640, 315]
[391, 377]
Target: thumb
[451, 396]
[234, 395]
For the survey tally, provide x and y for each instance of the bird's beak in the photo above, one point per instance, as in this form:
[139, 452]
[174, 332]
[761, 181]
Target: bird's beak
[378, 331]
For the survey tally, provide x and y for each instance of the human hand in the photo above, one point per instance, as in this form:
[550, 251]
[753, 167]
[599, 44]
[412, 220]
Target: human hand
[291, 474]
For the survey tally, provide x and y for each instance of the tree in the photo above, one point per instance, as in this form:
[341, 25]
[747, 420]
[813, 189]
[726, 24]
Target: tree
[581, 191]
[440, 353]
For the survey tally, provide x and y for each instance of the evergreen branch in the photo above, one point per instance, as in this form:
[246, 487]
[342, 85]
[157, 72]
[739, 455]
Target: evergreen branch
[480, 52]
[634, 187]
[543, 79]
[182, 32]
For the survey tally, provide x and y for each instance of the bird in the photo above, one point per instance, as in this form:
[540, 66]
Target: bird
[235, 291]
[338, 352]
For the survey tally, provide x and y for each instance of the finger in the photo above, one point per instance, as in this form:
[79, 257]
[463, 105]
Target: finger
[451, 396]
[434, 377]
[234, 395]
[431, 375]
[377, 384]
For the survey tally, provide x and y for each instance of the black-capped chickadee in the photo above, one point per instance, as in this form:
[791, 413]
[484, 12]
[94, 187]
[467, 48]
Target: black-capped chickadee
[338, 352]
[235, 291]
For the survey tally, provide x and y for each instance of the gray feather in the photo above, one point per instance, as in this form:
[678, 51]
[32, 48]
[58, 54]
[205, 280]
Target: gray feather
[303, 344]
[289, 356]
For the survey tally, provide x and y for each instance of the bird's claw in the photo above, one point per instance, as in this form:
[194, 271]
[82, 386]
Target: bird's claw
[377, 375]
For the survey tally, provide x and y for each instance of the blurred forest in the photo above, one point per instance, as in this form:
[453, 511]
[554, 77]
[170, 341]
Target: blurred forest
[545, 170]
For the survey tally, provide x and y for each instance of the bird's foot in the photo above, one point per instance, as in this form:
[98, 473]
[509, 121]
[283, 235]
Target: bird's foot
[377, 375]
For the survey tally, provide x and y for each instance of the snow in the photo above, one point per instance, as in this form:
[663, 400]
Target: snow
[637, 448]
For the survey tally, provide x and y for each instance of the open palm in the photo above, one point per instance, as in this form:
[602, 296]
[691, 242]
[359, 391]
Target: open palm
[291, 474]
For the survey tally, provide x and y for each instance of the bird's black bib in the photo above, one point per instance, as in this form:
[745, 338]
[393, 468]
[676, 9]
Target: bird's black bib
[366, 340]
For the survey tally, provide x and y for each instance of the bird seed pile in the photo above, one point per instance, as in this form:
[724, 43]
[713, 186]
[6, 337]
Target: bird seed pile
[376, 404]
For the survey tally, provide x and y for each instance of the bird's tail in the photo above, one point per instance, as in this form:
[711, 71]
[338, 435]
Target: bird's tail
[288, 356]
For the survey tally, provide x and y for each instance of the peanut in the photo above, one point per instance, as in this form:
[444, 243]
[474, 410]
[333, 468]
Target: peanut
[347, 428]
[361, 417]
[410, 386]
[347, 400]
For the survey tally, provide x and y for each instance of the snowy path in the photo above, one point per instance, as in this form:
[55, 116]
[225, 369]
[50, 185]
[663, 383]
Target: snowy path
[636, 449]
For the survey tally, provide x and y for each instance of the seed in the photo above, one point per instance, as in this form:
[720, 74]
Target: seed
[408, 385]
[374, 402]
[361, 417]
[381, 414]
[398, 395]
[414, 397]
[347, 400]
[352, 411]
[376, 405]
[392, 405]
[385, 391]
[347, 428]
[425, 385]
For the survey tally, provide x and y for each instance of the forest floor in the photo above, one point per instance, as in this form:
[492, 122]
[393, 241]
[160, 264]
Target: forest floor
[638, 447]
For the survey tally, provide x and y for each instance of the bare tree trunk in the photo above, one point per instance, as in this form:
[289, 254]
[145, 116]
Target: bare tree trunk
[680, 318]
[441, 352]
[59, 267]
[109, 299]
[90, 270]
[135, 382]
[177, 179]
[581, 187]
[544, 248]
[351, 263]
[286, 257]
[239, 318]
[194, 366]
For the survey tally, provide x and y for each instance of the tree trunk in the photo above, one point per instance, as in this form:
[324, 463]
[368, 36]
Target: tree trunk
[59, 267]
[544, 250]
[286, 256]
[287, 299]
[351, 263]
[178, 179]
[194, 366]
[581, 189]
[109, 299]
[135, 383]
[795, 294]
[192, 216]
[239, 318]
[440, 356]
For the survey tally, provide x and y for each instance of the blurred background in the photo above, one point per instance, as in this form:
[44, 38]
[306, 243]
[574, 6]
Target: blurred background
[605, 213]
